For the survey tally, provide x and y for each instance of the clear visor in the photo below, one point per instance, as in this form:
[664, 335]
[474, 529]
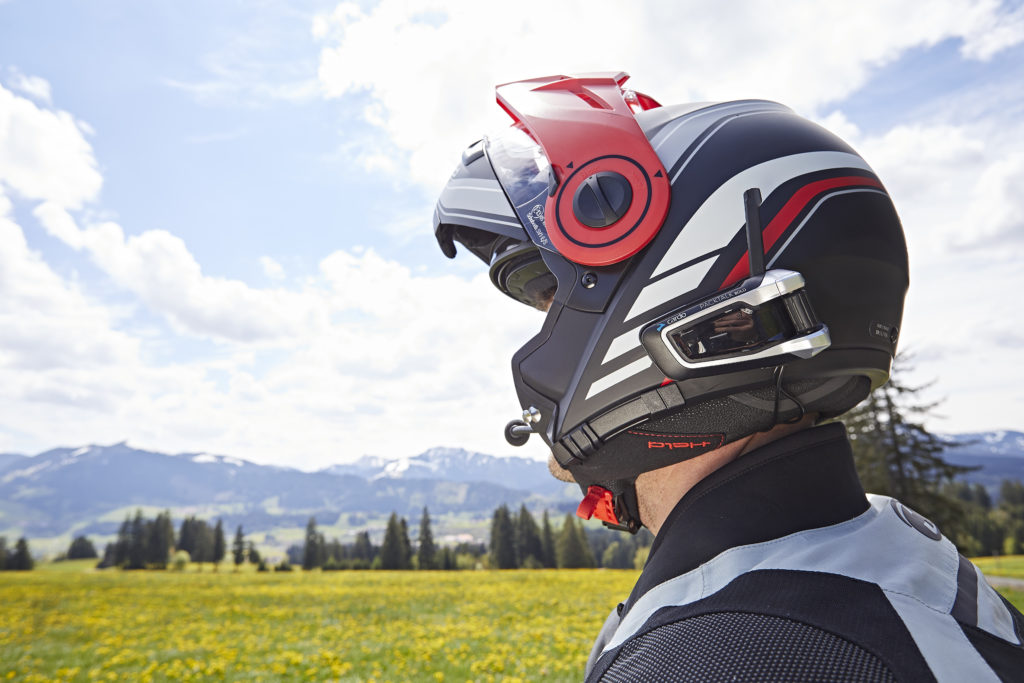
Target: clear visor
[524, 173]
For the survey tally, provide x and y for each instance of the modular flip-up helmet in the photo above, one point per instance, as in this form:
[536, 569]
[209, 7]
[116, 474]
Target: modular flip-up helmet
[712, 270]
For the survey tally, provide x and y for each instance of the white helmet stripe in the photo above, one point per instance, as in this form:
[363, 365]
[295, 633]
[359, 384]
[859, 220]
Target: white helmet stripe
[668, 288]
[476, 194]
[721, 214]
[622, 344]
[672, 140]
[620, 375]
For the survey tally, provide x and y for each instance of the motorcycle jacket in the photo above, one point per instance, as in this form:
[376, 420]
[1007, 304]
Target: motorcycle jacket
[778, 567]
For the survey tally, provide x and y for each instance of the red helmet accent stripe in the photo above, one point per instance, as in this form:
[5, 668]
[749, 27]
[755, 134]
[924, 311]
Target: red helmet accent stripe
[585, 127]
[788, 213]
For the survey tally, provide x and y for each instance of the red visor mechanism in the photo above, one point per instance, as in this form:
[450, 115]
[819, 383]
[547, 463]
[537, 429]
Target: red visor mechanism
[609, 193]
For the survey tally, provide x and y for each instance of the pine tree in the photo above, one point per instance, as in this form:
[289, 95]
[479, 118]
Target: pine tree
[547, 544]
[1011, 513]
[160, 540]
[311, 551]
[362, 549]
[109, 555]
[336, 552]
[21, 559]
[204, 542]
[81, 548]
[572, 548]
[238, 547]
[123, 542]
[220, 545]
[897, 456]
[426, 554]
[321, 550]
[187, 537]
[137, 545]
[529, 549]
[252, 554]
[394, 552]
[406, 544]
[503, 543]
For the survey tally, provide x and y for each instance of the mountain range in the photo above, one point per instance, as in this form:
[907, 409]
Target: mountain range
[89, 490]
[998, 455]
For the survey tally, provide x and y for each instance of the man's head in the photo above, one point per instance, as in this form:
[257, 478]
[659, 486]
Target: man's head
[714, 270]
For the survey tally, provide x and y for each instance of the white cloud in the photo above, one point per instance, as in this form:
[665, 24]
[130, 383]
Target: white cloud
[388, 361]
[990, 31]
[956, 186]
[271, 268]
[366, 356]
[262, 57]
[345, 363]
[43, 154]
[35, 87]
[46, 322]
[433, 96]
[158, 267]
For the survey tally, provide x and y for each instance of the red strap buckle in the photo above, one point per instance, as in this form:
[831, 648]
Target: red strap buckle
[599, 502]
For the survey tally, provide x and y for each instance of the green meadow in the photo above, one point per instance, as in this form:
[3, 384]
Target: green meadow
[67, 622]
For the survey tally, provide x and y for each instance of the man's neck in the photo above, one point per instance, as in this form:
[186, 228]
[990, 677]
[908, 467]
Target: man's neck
[660, 490]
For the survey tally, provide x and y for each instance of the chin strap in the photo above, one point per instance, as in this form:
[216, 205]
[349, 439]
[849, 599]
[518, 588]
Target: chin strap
[616, 511]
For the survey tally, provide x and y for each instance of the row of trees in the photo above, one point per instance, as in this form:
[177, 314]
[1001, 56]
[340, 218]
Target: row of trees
[18, 558]
[987, 528]
[148, 543]
[897, 456]
[395, 552]
[517, 541]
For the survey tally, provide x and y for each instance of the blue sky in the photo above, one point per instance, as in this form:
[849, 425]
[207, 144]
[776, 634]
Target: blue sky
[215, 217]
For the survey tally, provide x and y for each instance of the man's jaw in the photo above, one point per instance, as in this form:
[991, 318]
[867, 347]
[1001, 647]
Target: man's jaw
[559, 472]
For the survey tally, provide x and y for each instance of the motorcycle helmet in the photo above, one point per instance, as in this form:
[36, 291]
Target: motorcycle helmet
[709, 270]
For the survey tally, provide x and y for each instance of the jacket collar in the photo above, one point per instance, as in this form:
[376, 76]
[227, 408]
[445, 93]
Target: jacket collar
[802, 481]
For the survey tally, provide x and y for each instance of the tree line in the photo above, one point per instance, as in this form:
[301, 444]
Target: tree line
[143, 543]
[518, 541]
[18, 558]
[895, 455]
[396, 550]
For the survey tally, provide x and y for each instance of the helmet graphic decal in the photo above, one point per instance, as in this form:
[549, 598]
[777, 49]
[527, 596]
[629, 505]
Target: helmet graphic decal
[784, 218]
[705, 233]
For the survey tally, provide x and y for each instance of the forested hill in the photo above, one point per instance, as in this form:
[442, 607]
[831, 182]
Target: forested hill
[69, 490]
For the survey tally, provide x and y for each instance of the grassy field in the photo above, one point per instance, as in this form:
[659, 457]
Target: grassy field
[60, 624]
[1010, 565]
[66, 622]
